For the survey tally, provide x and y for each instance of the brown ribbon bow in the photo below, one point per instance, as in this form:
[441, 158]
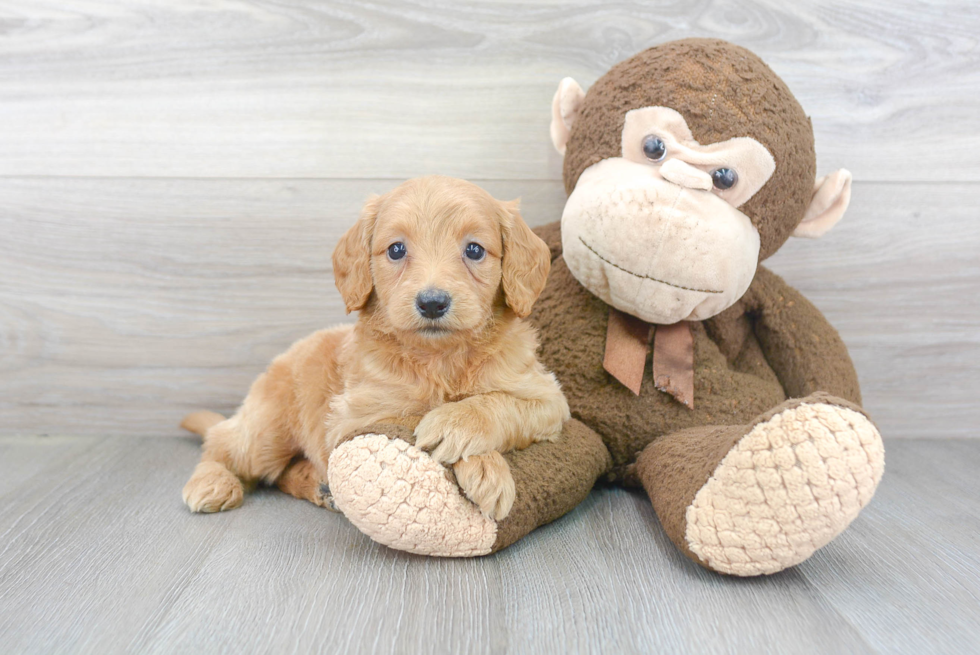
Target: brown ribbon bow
[627, 342]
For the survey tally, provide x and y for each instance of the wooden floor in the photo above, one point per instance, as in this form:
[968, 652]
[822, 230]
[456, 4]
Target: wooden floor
[99, 555]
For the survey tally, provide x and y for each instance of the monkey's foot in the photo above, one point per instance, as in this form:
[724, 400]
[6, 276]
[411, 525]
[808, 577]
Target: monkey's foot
[787, 486]
[402, 498]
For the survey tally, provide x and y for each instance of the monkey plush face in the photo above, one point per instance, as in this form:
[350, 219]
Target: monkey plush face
[674, 202]
[709, 169]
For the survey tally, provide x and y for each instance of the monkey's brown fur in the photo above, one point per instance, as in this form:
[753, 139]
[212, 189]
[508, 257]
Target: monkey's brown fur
[723, 91]
[771, 346]
[750, 361]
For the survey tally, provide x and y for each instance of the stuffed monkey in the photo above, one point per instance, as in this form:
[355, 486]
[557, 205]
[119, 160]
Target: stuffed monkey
[690, 370]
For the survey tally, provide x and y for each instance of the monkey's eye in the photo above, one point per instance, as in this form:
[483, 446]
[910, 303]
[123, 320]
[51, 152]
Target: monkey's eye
[724, 178]
[654, 147]
[475, 252]
[396, 251]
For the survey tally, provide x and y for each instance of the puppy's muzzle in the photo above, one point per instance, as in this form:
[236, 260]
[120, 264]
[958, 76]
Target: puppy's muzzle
[432, 303]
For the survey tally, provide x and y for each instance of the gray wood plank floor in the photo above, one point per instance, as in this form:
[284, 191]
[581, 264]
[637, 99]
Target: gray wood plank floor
[99, 555]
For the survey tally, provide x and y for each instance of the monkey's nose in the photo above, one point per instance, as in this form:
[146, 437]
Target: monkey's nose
[685, 175]
[433, 303]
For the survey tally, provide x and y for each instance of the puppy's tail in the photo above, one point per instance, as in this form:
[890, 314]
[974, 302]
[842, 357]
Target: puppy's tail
[200, 422]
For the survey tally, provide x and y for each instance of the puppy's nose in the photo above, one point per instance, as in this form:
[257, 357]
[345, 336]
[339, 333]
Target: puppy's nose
[433, 303]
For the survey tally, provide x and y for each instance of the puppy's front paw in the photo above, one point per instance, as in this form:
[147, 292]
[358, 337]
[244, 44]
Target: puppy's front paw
[453, 431]
[213, 488]
[486, 480]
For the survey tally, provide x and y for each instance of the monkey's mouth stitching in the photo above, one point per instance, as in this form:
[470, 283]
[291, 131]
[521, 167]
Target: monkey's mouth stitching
[644, 277]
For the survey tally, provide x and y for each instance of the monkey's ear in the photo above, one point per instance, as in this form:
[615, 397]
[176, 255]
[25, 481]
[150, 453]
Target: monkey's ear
[831, 195]
[352, 258]
[564, 110]
[526, 261]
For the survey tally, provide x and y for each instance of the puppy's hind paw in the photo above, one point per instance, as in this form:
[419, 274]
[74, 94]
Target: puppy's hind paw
[213, 488]
[486, 480]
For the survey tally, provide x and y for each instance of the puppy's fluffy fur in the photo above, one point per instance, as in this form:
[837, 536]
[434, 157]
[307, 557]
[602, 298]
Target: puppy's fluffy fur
[468, 381]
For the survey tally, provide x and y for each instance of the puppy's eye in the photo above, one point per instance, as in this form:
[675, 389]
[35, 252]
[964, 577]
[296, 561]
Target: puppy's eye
[475, 252]
[654, 147]
[396, 251]
[724, 178]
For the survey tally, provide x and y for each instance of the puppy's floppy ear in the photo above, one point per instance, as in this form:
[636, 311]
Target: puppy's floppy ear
[526, 261]
[352, 258]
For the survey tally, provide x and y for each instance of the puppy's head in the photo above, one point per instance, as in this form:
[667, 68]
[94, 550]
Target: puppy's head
[438, 256]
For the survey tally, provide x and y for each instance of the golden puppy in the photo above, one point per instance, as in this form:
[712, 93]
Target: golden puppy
[442, 275]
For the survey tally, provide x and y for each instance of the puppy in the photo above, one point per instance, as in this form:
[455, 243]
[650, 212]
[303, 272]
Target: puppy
[442, 274]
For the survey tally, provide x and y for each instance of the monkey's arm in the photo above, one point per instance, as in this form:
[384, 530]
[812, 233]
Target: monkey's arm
[551, 235]
[800, 345]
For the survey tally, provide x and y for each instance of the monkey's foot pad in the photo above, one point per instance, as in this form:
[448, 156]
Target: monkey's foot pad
[402, 498]
[788, 487]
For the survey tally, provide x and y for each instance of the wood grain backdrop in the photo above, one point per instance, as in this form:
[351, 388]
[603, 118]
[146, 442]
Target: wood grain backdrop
[173, 176]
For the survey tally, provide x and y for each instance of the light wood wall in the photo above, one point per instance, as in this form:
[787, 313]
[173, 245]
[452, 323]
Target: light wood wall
[174, 175]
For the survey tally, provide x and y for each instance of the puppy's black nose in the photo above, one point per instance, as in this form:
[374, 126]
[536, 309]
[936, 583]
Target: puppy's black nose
[433, 303]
